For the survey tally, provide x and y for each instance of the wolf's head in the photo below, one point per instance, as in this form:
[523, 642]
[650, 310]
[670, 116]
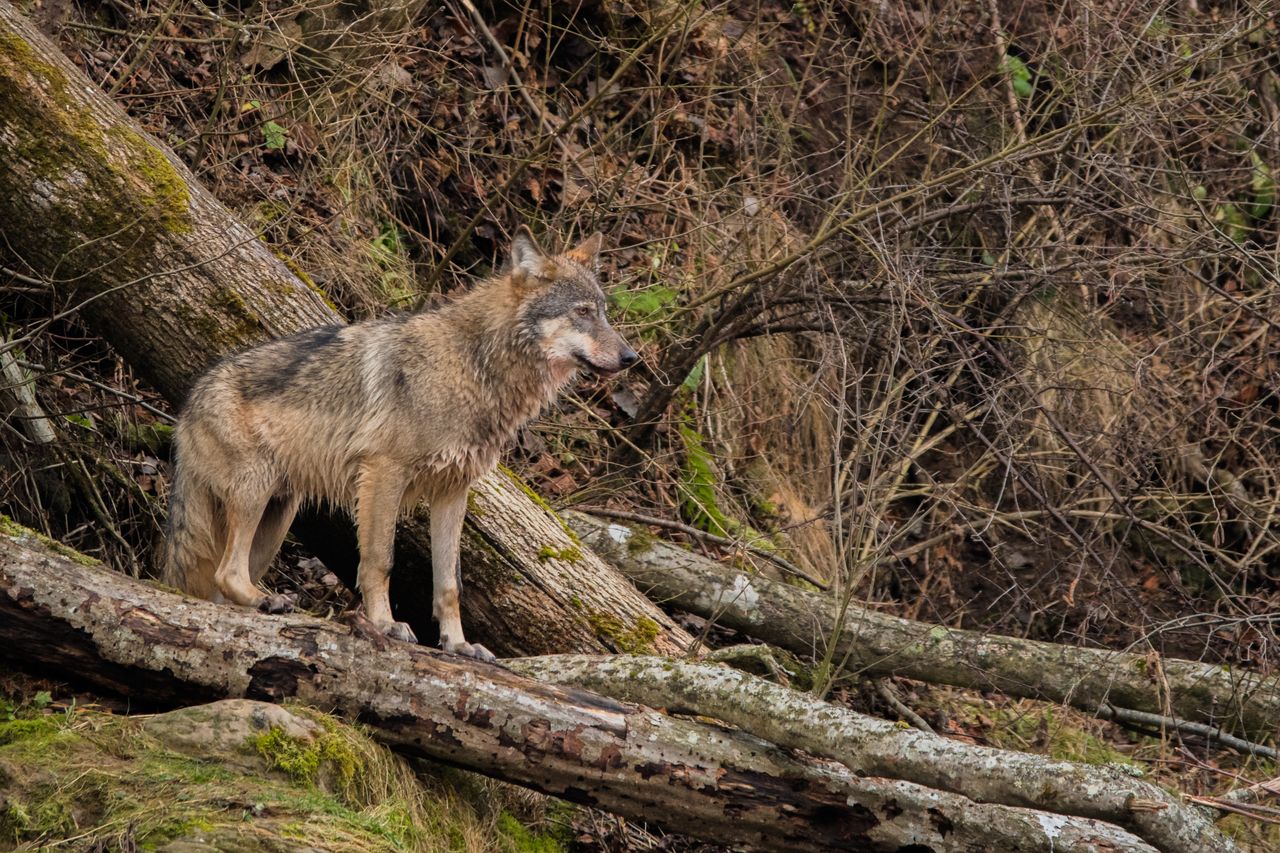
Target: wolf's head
[562, 307]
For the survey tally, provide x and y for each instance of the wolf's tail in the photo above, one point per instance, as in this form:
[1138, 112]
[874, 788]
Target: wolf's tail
[191, 551]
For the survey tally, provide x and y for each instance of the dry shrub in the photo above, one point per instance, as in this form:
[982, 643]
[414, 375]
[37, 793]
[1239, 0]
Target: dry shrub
[983, 295]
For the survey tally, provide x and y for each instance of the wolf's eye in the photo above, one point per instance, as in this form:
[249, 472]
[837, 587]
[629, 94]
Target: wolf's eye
[583, 311]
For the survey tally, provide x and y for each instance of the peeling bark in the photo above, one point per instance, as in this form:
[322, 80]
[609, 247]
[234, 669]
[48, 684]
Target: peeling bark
[875, 747]
[111, 632]
[873, 643]
[165, 273]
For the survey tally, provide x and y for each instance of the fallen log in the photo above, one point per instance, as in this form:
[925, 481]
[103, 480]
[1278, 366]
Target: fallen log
[874, 747]
[113, 633]
[873, 643]
[118, 225]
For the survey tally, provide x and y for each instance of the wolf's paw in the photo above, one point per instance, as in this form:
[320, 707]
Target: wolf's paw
[399, 631]
[275, 603]
[470, 650]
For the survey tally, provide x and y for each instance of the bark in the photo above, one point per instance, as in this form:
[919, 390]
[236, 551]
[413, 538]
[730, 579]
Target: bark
[873, 643]
[117, 634]
[163, 271]
[874, 747]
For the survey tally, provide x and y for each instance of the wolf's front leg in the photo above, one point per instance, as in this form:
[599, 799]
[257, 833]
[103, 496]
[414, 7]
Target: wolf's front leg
[379, 489]
[447, 512]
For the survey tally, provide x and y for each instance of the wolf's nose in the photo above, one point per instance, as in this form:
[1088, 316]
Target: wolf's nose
[628, 358]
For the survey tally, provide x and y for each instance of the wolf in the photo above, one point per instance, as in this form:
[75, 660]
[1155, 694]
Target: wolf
[374, 417]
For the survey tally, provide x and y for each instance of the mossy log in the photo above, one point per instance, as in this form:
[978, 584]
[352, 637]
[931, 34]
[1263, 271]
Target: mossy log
[117, 224]
[113, 633]
[234, 776]
[872, 643]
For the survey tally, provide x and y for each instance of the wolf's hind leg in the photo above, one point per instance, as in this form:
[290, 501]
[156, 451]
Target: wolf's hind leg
[272, 529]
[232, 576]
[447, 512]
[379, 490]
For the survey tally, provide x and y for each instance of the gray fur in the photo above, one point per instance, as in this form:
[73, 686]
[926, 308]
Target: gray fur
[373, 417]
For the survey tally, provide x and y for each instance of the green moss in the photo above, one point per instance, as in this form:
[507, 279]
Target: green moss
[521, 840]
[11, 528]
[697, 485]
[16, 50]
[209, 325]
[640, 540]
[109, 192]
[699, 481]
[306, 279]
[155, 439]
[15, 821]
[571, 553]
[519, 483]
[163, 190]
[266, 213]
[473, 506]
[85, 778]
[244, 325]
[1029, 726]
[52, 816]
[12, 731]
[303, 759]
[637, 640]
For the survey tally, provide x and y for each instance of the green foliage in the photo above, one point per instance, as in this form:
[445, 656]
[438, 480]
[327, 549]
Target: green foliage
[1232, 220]
[273, 134]
[79, 420]
[698, 485]
[387, 246]
[1019, 75]
[694, 378]
[646, 305]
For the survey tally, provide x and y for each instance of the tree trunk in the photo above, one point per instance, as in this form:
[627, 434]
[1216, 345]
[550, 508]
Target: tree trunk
[874, 643]
[117, 634]
[114, 221]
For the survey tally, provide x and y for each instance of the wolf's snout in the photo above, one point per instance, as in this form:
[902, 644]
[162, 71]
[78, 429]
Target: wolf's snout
[628, 358]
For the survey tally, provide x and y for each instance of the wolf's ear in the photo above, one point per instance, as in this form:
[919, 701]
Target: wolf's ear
[527, 257]
[587, 252]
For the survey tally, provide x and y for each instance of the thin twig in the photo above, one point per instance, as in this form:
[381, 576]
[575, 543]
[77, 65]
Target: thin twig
[102, 386]
[539, 111]
[1211, 733]
[886, 692]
